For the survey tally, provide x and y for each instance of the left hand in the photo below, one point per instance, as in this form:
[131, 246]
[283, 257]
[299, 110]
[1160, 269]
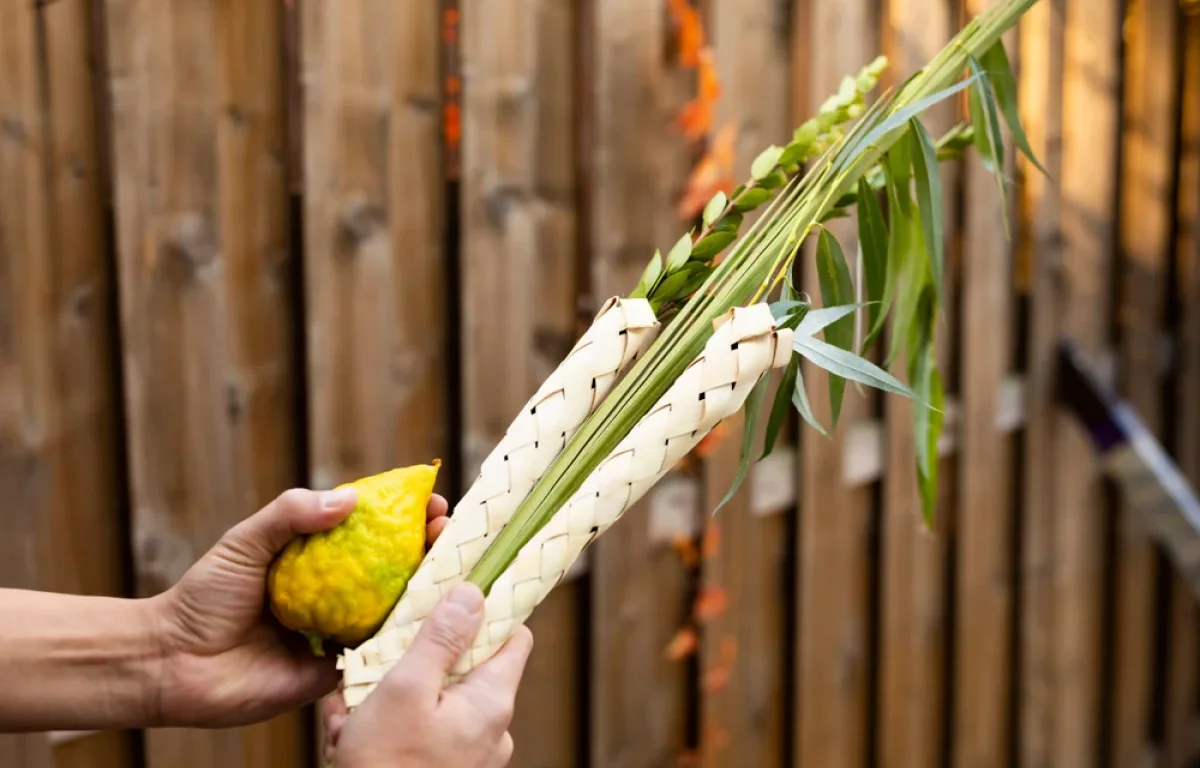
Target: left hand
[226, 661]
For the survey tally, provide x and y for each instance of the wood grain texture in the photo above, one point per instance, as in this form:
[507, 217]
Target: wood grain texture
[743, 695]
[1147, 213]
[58, 412]
[1090, 141]
[1040, 89]
[983, 580]
[636, 163]
[374, 266]
[1183, 675]
[834, 535]
[913, 564]
[200, 184]
[519, 282]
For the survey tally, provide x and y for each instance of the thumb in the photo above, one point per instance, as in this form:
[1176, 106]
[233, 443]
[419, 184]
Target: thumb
[293, 513]
[444, 636]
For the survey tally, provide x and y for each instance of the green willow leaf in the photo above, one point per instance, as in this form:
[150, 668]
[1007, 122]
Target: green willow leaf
[817, 319]
[803, 407]
[836, 289]
[848, 365]
[999, 72]
[753, 406]
[988, 140]
[899, 237]
[872, 235]
[928, 423]
[929, 198]
[781, 406]
[913, 279]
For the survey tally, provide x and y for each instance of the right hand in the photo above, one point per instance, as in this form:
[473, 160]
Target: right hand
[410, 720]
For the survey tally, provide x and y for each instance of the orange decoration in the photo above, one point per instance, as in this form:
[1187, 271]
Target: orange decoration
[711, 543]
[713, 173]
[686, 549]
[683, 644]
[710, 603]
[689, 32]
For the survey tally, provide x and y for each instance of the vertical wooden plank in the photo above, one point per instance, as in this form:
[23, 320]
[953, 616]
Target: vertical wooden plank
[108, 749]
[1182, 728]
[983, 588]
[200, 195]
[57, 402]
[913, 559]
[834, 547]
[1091, 98]
[1145, 238]
[519, 289]
[635, 160]
[742, 690]
[374, 265]
[1040, 83]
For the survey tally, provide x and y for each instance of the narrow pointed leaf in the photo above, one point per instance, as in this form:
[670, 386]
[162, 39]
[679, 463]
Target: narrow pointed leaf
[817, 319]
[872, 236]
[848, 365]
[836, 290]
[712, 245]
[765, 162]
[803, 406]
[649, 277]
[928, 423]
[753, 406]
[999, 72]
[929, 198]
[988, 140]
[781, 406]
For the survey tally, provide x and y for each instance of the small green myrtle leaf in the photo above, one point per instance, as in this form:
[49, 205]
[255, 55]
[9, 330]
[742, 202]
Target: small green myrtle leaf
[872, 236]
[803, 406]
[999, 72]
[672, 286]
[715, 208]
[877, 66]
[774, 180]
[752, 198]
[848, 365]
[832, 214]
[929, 198]
[696, 273]
[649, 277]
[780, 407]
[854, 111]
[712, 245]
[679, 253]
[753, 407]
[730, 222]
[865, 82]
[806, 134]
[794, 154]
[848, 91]
[786, 307]
[765, 162]
[836, 289]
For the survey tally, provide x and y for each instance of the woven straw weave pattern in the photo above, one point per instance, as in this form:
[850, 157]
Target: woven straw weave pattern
[713, 387]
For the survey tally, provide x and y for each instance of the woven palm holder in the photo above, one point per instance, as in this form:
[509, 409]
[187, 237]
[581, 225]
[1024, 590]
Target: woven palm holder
[745, 345]
[621, 332]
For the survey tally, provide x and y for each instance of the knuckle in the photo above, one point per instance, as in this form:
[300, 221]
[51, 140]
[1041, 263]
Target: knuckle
[444, 636]
[292, 498]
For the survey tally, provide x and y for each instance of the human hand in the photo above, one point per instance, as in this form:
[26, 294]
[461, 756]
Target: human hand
[225, 659]
[411, 720]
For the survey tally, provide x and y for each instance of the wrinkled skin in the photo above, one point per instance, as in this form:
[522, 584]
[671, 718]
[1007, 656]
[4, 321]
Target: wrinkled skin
[225, 660]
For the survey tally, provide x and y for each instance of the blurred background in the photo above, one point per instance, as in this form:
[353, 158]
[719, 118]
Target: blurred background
[251, 245]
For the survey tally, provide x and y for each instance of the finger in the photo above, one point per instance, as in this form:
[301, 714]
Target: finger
[443, 637]
[438, 507]
[504, 752]
[435, 528]
[292, 513]
[334, 704]
[333, 729]
[502, 673]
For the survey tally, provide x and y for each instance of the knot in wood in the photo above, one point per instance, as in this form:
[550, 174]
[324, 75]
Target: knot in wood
[361, 219]
[193, 240]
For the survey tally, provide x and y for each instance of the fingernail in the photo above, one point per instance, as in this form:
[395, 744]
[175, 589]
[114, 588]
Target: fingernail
[467, 598]
[338, 498]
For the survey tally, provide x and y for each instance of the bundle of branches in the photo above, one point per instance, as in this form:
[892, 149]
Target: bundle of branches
[707, 327]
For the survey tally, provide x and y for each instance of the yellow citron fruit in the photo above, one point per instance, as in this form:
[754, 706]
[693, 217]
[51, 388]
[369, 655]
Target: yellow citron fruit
[341, 584]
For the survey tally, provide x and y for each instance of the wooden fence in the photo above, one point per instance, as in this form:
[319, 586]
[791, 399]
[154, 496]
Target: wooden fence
[250, 245]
